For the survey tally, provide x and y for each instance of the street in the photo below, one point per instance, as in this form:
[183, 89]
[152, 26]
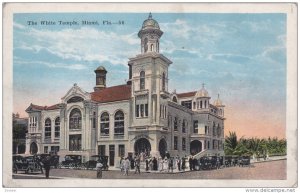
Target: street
[271, 170]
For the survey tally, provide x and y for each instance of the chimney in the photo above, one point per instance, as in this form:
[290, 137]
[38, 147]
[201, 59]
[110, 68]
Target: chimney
[100, 78]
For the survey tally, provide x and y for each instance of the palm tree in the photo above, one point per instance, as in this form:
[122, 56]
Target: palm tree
[231, 143]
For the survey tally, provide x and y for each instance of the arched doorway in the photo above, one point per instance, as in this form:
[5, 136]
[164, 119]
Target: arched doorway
[195, 147]
[33, 148]
[162, 147]
[142, 145]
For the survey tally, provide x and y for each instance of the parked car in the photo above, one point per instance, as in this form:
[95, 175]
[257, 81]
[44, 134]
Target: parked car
[204, 163]
[228, 161]
[54, 159]
[27, 164]
[72, 161]
[103, 159]
[244, 161]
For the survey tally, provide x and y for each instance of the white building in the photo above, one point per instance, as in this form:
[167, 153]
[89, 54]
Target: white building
[122, 120]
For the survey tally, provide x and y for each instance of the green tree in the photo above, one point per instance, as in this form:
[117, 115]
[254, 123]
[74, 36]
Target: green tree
[231, 143]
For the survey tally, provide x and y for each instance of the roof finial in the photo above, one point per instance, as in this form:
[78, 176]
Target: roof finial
[150, 16]
[218, 96]
[203, 85]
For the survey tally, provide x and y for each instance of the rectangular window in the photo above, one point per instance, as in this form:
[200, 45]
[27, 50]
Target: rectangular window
[137, 111]
[46, 149]
[195, 126]
[146, 110]
[101, 150]
[121, 150]
[175, 143]
[187, 104]
[165, 112]
[183, 126]
[183, 144]
[142, 110]
[175, 124]
[160, 109]
[94, 120]
[55, 149]
[75, 142]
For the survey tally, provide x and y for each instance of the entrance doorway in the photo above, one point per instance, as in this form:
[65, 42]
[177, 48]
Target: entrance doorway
[162, 147]
[195, 147]
[111, 155]
[142, 145]
[33, 148]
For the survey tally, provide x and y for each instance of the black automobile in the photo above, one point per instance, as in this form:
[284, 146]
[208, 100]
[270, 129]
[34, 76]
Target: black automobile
[235, 160]
[228, 161]
[72, 162]
[204, 163]
[27, 164]
[244, 161]
[92, 163]
[54, 159]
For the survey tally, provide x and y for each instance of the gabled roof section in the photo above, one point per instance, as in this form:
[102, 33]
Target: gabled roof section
[111, 94]
[75, 91]
[186, 94]
[33, 107]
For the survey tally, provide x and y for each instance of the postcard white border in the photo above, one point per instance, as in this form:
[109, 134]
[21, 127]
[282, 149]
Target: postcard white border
[291, 114]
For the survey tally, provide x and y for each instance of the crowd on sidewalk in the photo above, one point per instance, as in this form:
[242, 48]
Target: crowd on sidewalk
[160, 164]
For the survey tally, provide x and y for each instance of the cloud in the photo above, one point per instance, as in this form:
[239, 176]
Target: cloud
[52, 65]
[83, 44]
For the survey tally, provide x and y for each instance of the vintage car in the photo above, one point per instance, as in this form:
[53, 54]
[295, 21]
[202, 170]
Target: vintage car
[72, 162]
[27, 164]
[235, 160]
[92, 163]
[54, 159]
[204, 163]
[244, 161]
[228, 161]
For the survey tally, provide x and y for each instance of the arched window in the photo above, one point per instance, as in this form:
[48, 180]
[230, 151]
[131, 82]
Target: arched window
[174, 99]
[163, 81]
[119, 123]
[200, 104]
[75, 119]
[48, 128]
[57, 128]
[145, 45]
[104, 125]
[142, 80]
[152, 47]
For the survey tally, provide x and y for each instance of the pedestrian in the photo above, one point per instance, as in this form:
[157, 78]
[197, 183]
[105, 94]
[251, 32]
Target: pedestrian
[126, 166]
[170, 165]
[194, 163]
[137, 165]
[160, 164]
[99, 166]
[183, 164]
[147, 164]
[178, 163]
[122, 164]
[132, 163]
[154, 164]
[191, 163]
[47, 166]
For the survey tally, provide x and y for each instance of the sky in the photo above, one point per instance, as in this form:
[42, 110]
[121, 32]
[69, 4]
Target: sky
[242, 57]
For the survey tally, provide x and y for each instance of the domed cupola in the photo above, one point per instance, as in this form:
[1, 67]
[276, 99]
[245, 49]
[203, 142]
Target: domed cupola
[218, 102]
[150, 34]
[202, 93]
[201, 99]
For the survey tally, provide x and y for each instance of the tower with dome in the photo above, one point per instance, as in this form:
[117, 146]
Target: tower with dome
[140, 117]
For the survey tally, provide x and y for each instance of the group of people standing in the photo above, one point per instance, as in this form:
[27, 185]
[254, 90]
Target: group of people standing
[127, 163]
